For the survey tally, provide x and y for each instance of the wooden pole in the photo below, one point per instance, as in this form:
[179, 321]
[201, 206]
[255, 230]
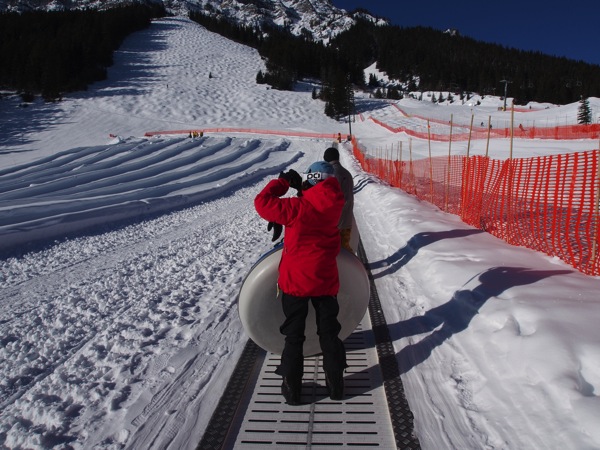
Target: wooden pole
[470, 133]
[387, 163]
[487, 147]
[512, 128]
[509, 218]
[411, 175]
[430, 161]
[401, 167]
[448, 164]
[398, 165]
[596, 211]
[465, 182]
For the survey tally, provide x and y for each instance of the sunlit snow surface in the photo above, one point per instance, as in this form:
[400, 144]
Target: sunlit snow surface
[119, 328]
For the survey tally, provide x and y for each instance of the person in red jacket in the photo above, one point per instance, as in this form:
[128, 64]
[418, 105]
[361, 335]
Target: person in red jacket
[308, 270]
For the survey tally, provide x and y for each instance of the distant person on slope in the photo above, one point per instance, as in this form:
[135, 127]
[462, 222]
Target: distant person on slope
[332, 156]
[308, 271]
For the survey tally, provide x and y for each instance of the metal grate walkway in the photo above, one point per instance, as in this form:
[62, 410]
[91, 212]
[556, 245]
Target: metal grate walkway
[252, 413]
[360, 420]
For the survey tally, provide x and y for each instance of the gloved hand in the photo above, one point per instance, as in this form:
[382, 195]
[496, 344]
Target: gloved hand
[293, 178]
[277, 229]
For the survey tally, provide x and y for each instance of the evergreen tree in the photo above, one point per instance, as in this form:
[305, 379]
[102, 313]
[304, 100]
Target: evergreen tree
[373, 81]
[584, 113]
[337, 94]
[50, 53]
[350, 100]
[421, 58]
[279, 78]
[329, 109]
[394, 94]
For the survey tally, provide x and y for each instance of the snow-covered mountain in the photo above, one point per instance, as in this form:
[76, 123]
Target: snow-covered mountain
[318, 18]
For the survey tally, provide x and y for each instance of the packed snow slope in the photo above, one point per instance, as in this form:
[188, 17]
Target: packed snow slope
[121, 258]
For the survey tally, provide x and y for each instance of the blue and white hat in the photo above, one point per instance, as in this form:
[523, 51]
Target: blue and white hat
[318, 171]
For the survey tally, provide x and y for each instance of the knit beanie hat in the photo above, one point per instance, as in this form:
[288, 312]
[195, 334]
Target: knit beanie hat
[331, 154]
[318, 171]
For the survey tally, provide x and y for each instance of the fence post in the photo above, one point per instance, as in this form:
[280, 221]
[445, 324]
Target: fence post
[470, 133]
[398, 166]
[596, 212]
[401, 167]
[411, 175]
[509, 209]
[388, 160]
[487, 146]
[448, 168]
[512, 128]
[430, 161]
[465, 181]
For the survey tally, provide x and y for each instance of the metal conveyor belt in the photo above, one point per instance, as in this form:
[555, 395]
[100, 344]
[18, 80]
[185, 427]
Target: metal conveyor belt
[360, 420]
[252, 413]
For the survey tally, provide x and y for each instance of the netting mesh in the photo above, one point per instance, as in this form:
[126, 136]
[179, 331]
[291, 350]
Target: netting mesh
[546, 203]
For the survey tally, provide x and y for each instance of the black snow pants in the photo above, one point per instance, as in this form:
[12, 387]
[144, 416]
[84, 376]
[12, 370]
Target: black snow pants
[328, 328]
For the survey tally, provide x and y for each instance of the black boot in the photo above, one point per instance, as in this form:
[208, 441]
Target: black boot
[335, 384]
[290, 389]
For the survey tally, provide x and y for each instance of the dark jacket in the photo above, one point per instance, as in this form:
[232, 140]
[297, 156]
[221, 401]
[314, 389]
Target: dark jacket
[347, 185]
[311, 243]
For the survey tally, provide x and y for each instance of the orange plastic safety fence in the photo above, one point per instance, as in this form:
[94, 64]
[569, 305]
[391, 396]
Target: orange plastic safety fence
[591, 131]
[244, 130]
[549, 204]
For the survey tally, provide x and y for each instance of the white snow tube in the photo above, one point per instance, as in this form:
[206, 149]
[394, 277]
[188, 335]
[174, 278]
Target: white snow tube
[260, 309]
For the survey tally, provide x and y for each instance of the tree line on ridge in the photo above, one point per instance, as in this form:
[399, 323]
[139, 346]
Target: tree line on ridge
[419, 58]
[51, 53]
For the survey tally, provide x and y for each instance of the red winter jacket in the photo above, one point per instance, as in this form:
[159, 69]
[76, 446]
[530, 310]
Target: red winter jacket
[311, 243]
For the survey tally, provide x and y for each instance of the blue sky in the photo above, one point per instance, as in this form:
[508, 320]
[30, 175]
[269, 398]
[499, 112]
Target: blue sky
[569, 28]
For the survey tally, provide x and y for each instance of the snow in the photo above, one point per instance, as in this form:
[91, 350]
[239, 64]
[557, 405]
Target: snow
[122, 257]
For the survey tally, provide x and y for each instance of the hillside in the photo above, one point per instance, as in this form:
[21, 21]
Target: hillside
[301, 39]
